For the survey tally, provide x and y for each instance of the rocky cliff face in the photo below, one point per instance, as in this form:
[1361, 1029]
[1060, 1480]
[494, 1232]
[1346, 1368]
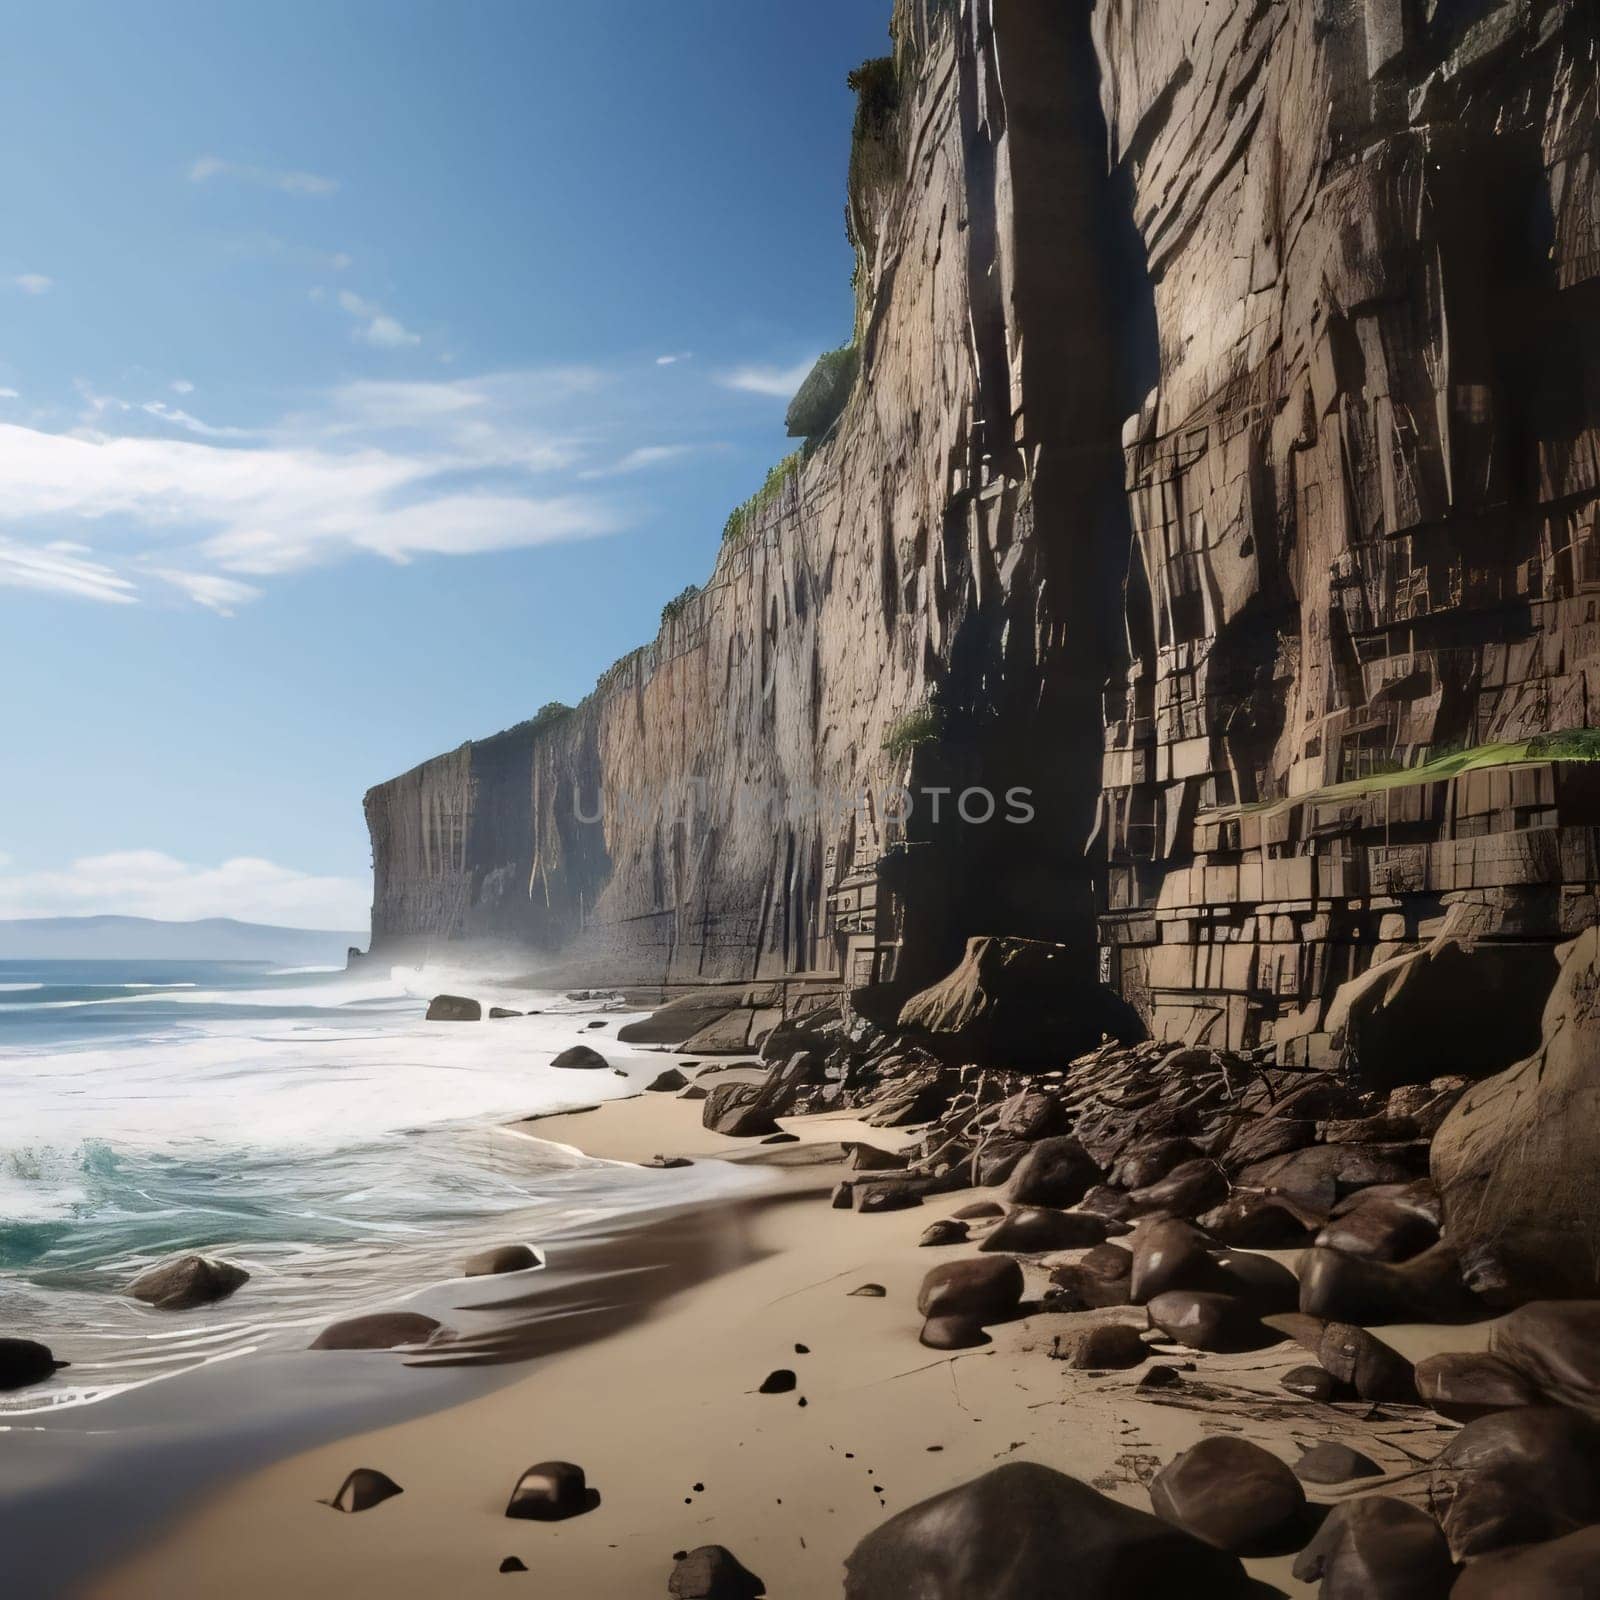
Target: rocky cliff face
[1244, 644]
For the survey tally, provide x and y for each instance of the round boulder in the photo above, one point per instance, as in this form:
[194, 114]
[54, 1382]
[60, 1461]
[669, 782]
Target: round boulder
[1231, 1493]
[987, 1289]
[502, 1258]
[25, 1361]
[362, 1489]
[581, 1058]
[381, 1330]
[713, 1572]
[187, 1282]
[1030, 1230]
[1378, 1548]
[552, 1491]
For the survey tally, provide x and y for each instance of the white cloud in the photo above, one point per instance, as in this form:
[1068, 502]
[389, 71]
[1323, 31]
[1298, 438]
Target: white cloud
[377, 328]
[9, 394]
[58, 568]
[641, 460]
[206, 168]
[181, 386]
[673, 360]
[33, 283]
[149, 883]
[779, 382]
[210, 589]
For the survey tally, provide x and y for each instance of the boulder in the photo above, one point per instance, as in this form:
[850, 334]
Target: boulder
[1357, 1289]
[1515, 1160]
[1259, 1282]
[1017, 1003]
[1262, 1138]
[781, 1380]
[1563, 1569]
[869, 1158]
[738, 1111]
[1030, 1114]
[453, 1008]
[678, 1019]
[666, 1082]
[1029, 1230]
[1208, 1321]
[1321, 1175]
[362, 1489]
[870, 1291]
[995, 1160]
[1104, 1201]
[1168, 1255]
[713, 1572]
[187, 1282]
[1053, 1172]
[1375, 1370]
[1332, 1462]
[1516, 1477]
[1378, 1548]
[580, 1058]
[1457, 1004]
[1023, 1532]
[551, 1491]
[1232, 1494]
[1193, 1187]
[1073, 1288]
[1462, 1384]
[501, 1013]
[1111, 1346]
[952, 1333]
[988, 1288]
[25, 1361]
[1255, 1221]
[979, 1210]
[1150, 1160]
[946, 1231]
[502, 1258]
[1385, 1230]
[381, 1330]
[1313, 1383]
[1555, 1346]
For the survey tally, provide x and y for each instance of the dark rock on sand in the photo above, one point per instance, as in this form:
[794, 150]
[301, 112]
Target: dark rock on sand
[1383, 1230]
[1332, 1462]
[738, 1111]
[1054, 1172]
[1358, 1289]
[453, 1008]
[1517, 1477]
[1231, 1493]
[1022, 1532]
[995, 1160]
[888, 1196]
[502, 1258]
[1255, 1222]
[1563, 1569]
[1207, 1321]
[381, 1330]
[1074, 1288]
[987, 1288]
[1188, 1189]
[500, 1013]
[1463, 1384]
[780, 1381]
[24, 1361]
[1323, 1174]
[869, 1158]
[364, 1488]
[1031, 1229]
[551, 1491]
[946, 1231]
[977, 1210]
[695, 1091]
[952, 1333]
[1375, 1370]
[1378, 1548]
[188, 1281]
[713, 1573]
[1169, 1255]
[667, 1163]
[1261, 1283]
[1030, 1115]
[1111, 1346]
[581, 1058]
[663, 1082]
[871, 1291]
[1312, 1383]
[1555, 1345]
[513, 1564]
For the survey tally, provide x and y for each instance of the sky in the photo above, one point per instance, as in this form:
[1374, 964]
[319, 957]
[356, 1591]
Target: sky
[370, 375]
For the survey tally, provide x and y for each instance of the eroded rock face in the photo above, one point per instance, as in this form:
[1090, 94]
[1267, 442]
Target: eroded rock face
[1515, 1161]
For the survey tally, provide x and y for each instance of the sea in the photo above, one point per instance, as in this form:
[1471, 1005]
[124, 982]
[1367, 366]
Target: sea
[308, 1124]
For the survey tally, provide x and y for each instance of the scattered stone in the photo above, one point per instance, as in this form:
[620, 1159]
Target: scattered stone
[695, 1091]
[1517, 1477]
[551, 1491]
[513, 1564]
[979, 1209]
[502, 1258]
[24, 1361]
[872, 1291]
[1053, 1172]
[666, 1081]
[1029, 1230]
[380, 1330]
[453, 1008]
[1161, 1376]
[1563, 1569]
[1312, 1383]
[713, 1573]
[781, 1381]
[1231, 1493]
[1332, 1462]
[500, 1013]
[1462, 1385]
[187, 1282]
[1112, 1346]
[1207, 1321]
[362, 1489]
[581, 1058]
[1375, 1370]
[985, 1288]
[1379, 1548]
[1024, 1531]
[945, 1231]
[667, 1163]
[952, 1333]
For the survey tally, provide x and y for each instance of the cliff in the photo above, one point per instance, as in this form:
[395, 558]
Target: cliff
[1220, 470]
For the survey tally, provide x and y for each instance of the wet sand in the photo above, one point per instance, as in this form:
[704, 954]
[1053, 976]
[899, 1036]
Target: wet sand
[665, 1417]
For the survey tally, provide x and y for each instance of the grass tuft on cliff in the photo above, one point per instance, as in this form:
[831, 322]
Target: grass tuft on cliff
[921, 725]
[742, 519]
[679, 603]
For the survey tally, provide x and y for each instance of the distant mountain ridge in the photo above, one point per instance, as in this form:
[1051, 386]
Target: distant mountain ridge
[145, 938]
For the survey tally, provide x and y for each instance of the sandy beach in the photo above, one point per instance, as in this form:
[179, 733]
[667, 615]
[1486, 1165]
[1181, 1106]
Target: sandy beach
[666, 1419]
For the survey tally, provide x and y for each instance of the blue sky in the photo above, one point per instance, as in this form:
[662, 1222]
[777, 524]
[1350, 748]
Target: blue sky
[370, 375]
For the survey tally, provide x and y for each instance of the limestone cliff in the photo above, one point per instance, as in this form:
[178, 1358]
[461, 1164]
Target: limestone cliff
[1267, 649]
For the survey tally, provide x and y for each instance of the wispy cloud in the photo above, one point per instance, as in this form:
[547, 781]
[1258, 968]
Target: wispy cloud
[181, 386]
[59, 568]
[9, 394]
[673, 360]
[150, 883]
[778, 382]
[33, 283]
[376, 326]
[206, 169]
[210, 589]
[641, 460]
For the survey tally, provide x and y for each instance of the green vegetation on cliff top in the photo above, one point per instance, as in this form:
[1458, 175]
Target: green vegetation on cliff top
[742, 519]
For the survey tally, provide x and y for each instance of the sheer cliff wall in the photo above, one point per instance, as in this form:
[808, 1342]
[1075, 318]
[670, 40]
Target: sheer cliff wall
[948, 560]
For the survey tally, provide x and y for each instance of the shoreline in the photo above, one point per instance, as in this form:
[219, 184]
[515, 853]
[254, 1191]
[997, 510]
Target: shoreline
[670, 1401]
